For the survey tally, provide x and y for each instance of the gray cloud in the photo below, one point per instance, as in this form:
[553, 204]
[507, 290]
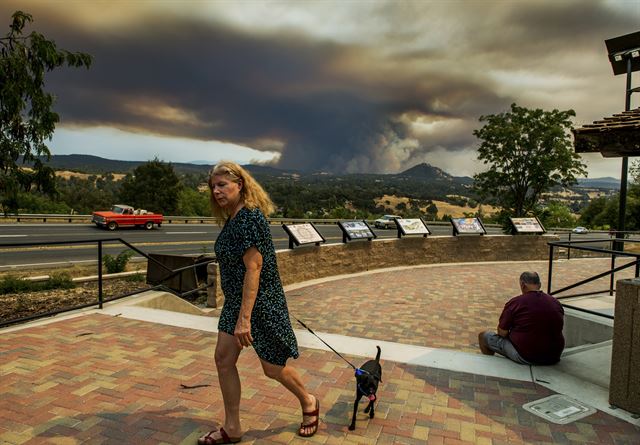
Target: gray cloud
[324, 104]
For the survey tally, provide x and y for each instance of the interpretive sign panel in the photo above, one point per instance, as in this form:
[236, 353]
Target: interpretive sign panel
[467, 226]
[413, 226]
[355, 230]
[527, 225]
[305, 233]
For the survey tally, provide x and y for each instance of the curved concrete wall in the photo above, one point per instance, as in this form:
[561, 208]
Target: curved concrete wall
[313, 262]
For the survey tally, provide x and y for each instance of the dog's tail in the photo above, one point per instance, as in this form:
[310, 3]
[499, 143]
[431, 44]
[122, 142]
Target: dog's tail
[378, 354]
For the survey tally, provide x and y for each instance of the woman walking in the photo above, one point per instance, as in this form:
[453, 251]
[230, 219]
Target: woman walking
[255, 309]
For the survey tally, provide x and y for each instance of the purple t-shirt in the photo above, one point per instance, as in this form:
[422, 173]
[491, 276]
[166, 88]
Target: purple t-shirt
[534, 321]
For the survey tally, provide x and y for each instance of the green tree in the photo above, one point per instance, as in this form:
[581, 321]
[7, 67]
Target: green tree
[88, 195]
[432, 211]
[26, 117]
[556, 214]
[593, 211]
[154, 186]
[193, 203]
[634, 173]
[602, 213]
[36, 202]
[528, 153]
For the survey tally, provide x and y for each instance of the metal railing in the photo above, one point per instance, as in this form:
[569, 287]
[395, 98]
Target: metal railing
[171, 273]
[582, 245]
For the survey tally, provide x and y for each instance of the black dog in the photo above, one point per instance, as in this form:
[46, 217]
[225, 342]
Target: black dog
[367, 379]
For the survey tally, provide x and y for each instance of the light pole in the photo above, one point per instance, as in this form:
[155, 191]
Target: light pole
[624, 55]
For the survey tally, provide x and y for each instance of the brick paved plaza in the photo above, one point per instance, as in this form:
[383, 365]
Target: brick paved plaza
[102, 379]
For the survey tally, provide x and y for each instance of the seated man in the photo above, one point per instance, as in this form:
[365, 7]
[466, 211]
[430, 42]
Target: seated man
[530, 327]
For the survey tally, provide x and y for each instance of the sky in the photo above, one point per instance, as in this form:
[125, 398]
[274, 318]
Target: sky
[348, 86]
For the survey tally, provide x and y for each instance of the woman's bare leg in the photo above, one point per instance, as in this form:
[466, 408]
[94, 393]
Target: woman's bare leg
[226, 356]
[290, 379]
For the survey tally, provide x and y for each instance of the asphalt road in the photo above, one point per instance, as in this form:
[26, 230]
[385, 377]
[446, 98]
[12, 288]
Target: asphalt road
[175, 239]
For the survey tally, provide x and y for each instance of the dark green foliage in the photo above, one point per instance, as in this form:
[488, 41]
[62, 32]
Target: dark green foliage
[136, 278]
[38, 202]
[26, 117]
[528, 152]
[11, 284]
[85, 196]
[117, 264]
[294, 194]
[599, 213]
[432, 212]
[321, 196]
[556, 214]
[193, 203]
[602, 212]
[154, 186]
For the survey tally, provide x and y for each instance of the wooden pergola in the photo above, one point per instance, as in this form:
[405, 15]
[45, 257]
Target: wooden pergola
[615, 136]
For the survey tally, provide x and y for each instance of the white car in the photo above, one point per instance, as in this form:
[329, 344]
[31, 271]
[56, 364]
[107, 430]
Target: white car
[580, 229]
[386, 222]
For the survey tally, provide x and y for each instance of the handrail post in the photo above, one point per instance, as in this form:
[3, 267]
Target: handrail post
[550, 268]
[569, 248]
[100, 299]
[613, 265]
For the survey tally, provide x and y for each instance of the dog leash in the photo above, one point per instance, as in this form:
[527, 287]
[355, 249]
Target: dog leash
[357, 370]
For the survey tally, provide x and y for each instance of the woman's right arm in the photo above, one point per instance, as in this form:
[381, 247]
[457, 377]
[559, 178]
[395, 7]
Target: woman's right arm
[252, 259]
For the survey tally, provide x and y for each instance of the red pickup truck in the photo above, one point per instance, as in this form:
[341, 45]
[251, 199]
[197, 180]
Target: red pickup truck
[122, 215]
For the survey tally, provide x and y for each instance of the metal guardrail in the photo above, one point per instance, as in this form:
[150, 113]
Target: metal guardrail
[100, 297]
[277, 221]
[44, 217]
[579, 245]
[167, 219]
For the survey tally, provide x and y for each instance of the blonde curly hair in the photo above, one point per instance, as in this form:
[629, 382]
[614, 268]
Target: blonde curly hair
[252, 194]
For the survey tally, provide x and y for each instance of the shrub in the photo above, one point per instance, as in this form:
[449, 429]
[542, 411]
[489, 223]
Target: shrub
[11, 284]
[61, 280]
[135, 278]
[117, 264]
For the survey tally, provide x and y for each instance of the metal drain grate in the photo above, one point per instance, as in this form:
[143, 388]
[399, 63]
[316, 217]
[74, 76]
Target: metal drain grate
[559, 409]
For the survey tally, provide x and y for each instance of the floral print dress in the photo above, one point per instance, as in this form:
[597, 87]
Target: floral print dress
[273, 337]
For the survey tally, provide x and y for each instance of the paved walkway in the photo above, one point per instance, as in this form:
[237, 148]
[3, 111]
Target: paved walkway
[104, 379]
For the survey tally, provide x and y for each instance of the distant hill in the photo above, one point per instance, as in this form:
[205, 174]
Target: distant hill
[425, 170]
[97, 165]
[302, 193]
[90, 164]
[422, 180]
[428, 171]
[602, 183]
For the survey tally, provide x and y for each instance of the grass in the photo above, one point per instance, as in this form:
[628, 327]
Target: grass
[75, 271]
[11, 284]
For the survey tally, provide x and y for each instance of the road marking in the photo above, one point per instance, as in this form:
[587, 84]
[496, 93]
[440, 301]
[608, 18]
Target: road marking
[184, 233]
[11, 236]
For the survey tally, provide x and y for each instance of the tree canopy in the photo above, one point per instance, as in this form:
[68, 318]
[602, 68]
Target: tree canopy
[602, 212]
[528, 152]
[153, 186]
[26, 117]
